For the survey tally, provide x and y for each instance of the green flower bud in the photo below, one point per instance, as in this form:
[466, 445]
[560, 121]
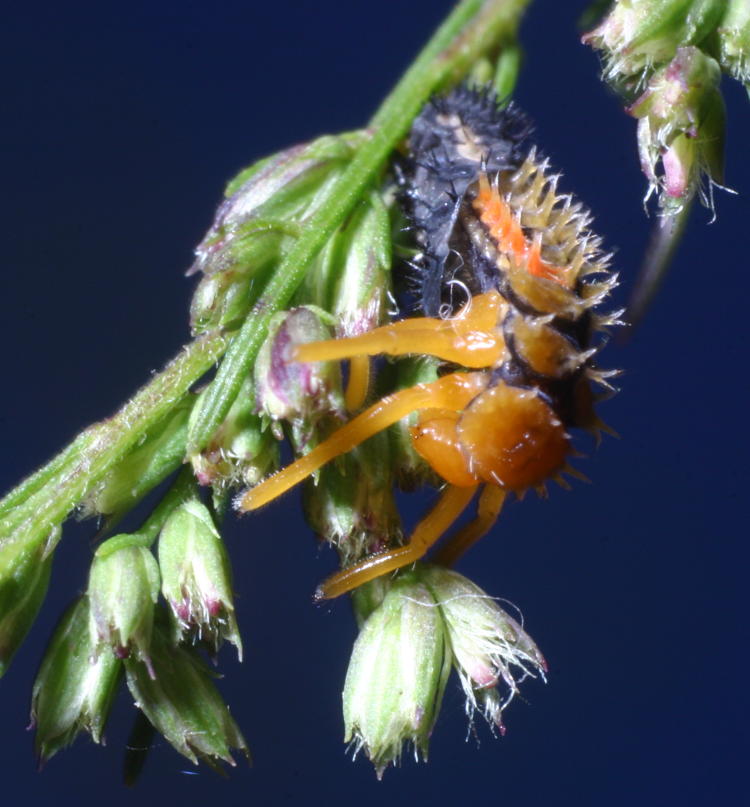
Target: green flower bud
[242, 451]
[73, 691]
[488, 645]
[681, 124]
[734, 41]
[182, 703]
[397, 675]
[196, 577]
[266, 207]
[123, 587]
[24, 577]
[351, 277]
[223, 297]
[640, 35]
[145, 466]
[351, 504]
[299, 392]
[369, 596]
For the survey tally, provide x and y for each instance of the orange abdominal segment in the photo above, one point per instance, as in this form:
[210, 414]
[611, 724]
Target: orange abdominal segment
[495, 213]
[513, 438]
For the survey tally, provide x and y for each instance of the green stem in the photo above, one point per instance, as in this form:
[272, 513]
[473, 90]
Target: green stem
[182, 489]
[78, 470]
[31, 512]
[472, 29]
[39, 478]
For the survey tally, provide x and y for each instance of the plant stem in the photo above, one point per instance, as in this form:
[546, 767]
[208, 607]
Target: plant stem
[32, 511]
[471, 30]
[181, 489]
[78, 470]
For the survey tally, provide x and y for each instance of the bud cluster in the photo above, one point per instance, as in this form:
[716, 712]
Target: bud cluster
[119, 622]
[266, 208]
[666, 58]
[412, 633]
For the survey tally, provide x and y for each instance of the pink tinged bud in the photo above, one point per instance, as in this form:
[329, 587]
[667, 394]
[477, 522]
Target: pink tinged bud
[677, 161]
[197, 579]
[489, 646]
[123, 588]
[681, 127]
[242, 450]
[359, 296]
[291, 390]
[266, 208]
[352, 505]
[640, 35]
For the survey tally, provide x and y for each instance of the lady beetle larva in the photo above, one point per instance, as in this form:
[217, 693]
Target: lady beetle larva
[489, 221]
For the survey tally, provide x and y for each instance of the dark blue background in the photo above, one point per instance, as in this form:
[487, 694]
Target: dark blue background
[121, 123]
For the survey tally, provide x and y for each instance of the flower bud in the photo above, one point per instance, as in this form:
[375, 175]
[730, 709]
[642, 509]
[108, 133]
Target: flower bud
[734, 41]
[123, 587]
[241, 451]
[24, 577]
[681, 123]
[488, 645]
[223, 298]
[299, 392]
[351, 504]
[196, 577]
[182, 704]
[266, 206]
[351, 277]
[73, 691]
[640, 35]
[145, 466]
[397, 675]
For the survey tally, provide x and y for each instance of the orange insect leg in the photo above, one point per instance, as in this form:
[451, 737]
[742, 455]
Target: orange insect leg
[470, 339]
[490, 503]
[358, 384]
[453, 391]
[451, 504]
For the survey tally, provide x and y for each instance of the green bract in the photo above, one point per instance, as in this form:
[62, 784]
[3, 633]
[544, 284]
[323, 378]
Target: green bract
[734, 40]
[73, 691]
[24, 577]
[182, 703]
[397, 675]
[351, 503]
[640, 35]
